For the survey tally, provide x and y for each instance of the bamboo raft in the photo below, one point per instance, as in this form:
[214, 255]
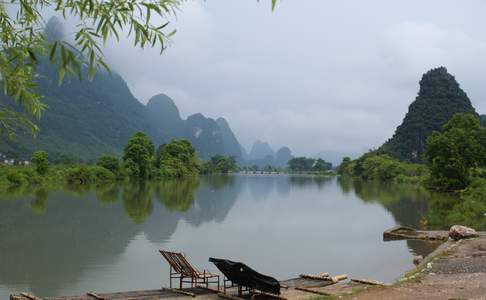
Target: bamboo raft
[305, 283]
[408, 233]
[163, 293]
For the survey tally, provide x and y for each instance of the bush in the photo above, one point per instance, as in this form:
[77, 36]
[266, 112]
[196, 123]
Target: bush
[78, 175]
[16, 178]
[88, 174]
[101, 174]
[39, 158]
[109, 162]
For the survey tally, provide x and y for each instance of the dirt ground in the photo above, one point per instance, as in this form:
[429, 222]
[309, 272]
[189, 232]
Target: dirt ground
[457, 273]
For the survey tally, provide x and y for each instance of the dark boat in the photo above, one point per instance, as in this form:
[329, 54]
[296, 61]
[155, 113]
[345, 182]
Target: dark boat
[240, 274]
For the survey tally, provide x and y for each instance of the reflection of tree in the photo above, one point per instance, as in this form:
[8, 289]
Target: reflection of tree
[450, 209]
[214, 199]
[408, 204]
[307, 181]
[423, 248]
[107, 193]
[39, 203]
[77, 189]
[137, 200]
[346, 184]
[177, 195]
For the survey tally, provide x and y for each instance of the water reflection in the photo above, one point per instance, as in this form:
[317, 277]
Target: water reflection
[177, 195]
[106, 237]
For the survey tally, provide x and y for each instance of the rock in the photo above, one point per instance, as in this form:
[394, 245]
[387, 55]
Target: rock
[429, 265]
[458, 232]
[417, 259]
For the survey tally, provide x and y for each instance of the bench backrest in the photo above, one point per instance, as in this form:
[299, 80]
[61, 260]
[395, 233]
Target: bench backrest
[179, 263]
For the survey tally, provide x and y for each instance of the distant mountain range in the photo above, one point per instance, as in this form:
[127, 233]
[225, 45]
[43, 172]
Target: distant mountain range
[86, 119]
[262, 154]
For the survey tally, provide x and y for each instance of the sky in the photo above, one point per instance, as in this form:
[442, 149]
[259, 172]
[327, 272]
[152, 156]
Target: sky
[313, 75]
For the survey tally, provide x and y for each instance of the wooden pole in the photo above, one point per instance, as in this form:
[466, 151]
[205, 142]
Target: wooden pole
[312, 291]
[29, 296]
[96, 296]
[369, 282]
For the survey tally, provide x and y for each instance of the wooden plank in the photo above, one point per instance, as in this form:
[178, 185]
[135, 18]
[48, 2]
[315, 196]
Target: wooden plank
[315, 277]
[29, 296]
[180, 292]
[369, 282]
[312, 291]
[96, 296]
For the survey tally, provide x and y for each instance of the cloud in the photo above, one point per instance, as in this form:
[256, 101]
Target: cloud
[313, 75]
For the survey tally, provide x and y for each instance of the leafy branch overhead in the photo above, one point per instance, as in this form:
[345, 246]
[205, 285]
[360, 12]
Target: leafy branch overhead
[23, 40]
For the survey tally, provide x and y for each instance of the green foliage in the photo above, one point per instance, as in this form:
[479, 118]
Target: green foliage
[344, 167]
[16, 178]
[468, 209]
[453, 154]
[439, 98]
[138, 156]
[305, 164]
[88, 174]
[382, 167]
[39, 158]
[178, 159]
[23, 41]
[321, 165]
[110, 163]
[220, 164]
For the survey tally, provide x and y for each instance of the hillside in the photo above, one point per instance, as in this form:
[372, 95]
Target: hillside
[86, 118]
[439, 98]
[83, 118]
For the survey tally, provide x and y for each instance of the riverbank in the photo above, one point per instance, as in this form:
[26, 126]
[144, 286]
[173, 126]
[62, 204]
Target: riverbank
[456, 270]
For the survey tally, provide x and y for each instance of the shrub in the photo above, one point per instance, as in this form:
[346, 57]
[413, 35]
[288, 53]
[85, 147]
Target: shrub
[39, 158]
[109, 162]
[78, 175]
[16, 178]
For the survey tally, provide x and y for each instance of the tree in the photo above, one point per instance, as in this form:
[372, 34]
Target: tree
[109, 162]
[39, 158]
[321, 165]
[301, 164]
[344, 166]
[220, 164]
[453, 154]
[138, 156]
[178, 159]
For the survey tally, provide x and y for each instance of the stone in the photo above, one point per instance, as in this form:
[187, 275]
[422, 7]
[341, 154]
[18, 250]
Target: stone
[458, 232]
[417, 259]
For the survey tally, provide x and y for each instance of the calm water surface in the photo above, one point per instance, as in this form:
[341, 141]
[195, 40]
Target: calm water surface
[106, 238]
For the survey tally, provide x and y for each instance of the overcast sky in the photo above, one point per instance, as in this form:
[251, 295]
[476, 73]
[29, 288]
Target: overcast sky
[313, 75]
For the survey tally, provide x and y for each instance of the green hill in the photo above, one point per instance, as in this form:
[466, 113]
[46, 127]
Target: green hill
[439, 98]
[86, 118]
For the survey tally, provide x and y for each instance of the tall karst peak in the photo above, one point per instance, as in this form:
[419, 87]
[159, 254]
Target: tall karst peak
[439, 98]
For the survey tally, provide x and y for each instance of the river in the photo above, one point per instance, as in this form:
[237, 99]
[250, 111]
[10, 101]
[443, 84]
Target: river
[106, 238]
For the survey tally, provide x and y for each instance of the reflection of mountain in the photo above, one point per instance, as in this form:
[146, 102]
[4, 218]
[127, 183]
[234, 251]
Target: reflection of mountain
[58, 245]
[214, 199]
[60, 235]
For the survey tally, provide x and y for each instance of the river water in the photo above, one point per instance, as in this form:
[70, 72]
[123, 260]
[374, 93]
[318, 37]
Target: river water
[106, 238]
